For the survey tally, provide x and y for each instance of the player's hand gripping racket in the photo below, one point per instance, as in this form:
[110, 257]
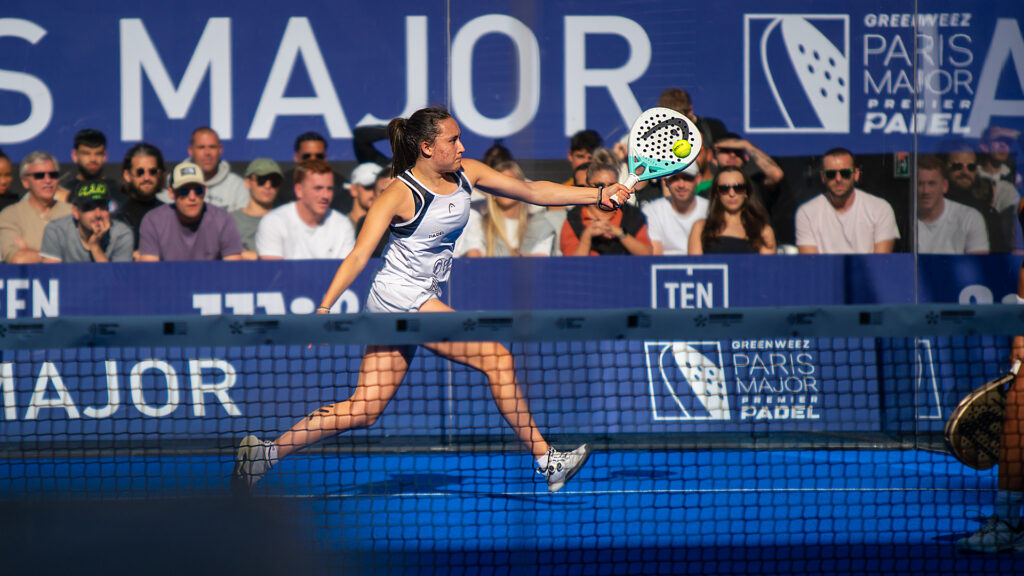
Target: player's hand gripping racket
[974, 431]
[662, 142]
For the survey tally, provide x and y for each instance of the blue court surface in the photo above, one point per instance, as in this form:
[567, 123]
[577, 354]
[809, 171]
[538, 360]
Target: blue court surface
[636, 512]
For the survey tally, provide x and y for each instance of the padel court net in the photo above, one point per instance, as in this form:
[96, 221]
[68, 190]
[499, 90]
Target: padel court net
[769, 440]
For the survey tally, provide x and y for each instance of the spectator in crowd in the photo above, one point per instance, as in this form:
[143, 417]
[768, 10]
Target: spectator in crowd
[707, 174]
[579, 178]
[763, 174]
[7, 193]
[190, 228]
[996, 162]
[87, 234]
[307, 228]
[22, 223]
[263, 178]
[224, 188]
[711, 129]
[966, 182]
[497, 154]
[844, 219]
[312, 146]
[382, 181]
[945, 226]
[997, 201]
[736, 222]
[671, 217]
[470, 244]
[589, 230]
[143, 176]
[89, 155]
[508, 228]
[361, 187]
[581, 148]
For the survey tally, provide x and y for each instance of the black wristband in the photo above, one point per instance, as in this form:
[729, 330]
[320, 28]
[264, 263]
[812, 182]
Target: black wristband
[600, 194]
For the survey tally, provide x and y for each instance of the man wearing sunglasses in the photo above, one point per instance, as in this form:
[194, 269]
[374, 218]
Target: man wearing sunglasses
[762, 171]
[190, 228]
[670, 219]
[88, 234]
[143, 177]
[311, 146]
[997, 163]
[263, 178]
[996, 202]
[845, 219]
[224, 188]
[22, 224]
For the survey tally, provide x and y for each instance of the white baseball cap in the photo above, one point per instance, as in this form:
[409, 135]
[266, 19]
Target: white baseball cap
[364, 174]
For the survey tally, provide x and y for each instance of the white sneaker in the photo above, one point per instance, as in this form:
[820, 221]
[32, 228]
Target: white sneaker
[251, 463]
[562, 466]
[995, 536]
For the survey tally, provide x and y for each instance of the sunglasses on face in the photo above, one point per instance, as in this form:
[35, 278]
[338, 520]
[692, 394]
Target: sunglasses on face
[183, 192]
[727, 188]
[601, 184]
[844, 173]
[40, 175]
[274, 180]
[971, 167]
[140, 172]
[733, 151]
[316, 156]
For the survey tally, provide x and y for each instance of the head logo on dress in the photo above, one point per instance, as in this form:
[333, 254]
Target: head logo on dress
[451, 207]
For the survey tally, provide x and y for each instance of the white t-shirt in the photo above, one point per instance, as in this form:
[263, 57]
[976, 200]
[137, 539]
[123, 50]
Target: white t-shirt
[869, 220]
[960, 229]
[670, 228]
[283, 234]
[472, 237]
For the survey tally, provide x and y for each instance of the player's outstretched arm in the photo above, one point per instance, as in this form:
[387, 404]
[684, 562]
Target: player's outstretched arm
[542, 193]
[392, 202]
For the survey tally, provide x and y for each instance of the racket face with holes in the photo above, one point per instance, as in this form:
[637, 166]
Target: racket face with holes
[974, 431]
[651, 140]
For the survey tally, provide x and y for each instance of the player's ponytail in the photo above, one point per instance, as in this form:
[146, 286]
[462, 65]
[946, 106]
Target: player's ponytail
[407, 135]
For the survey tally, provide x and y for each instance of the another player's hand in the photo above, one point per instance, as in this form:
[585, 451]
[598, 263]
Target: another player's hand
[614, 196]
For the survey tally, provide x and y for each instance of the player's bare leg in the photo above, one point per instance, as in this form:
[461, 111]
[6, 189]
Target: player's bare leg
[380, 375]
[495, 361]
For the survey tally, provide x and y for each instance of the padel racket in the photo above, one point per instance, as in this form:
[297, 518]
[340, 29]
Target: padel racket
[974, 431]
[662, 142]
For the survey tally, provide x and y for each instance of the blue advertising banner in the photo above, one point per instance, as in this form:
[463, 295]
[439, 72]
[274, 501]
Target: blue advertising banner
[296, 287]
[662, 385]
[797, 81]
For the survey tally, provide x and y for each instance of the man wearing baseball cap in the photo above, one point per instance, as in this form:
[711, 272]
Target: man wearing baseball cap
[263, 178]
[88, 234]
[190, 228]
[361, 186]
[671, 217]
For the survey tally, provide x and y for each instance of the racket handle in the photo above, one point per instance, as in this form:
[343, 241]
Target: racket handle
[1015, 368]
[630, 181]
